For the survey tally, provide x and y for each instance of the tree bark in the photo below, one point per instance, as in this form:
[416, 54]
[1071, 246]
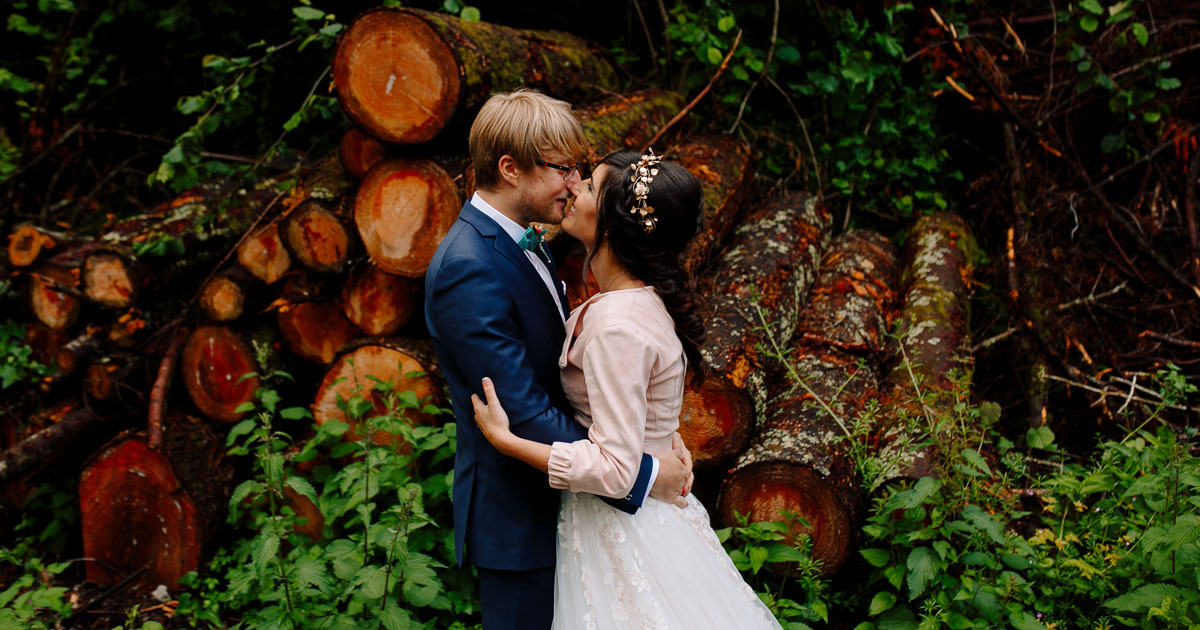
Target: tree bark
[153, 509]
[800, 460]
[213, 362]
[761, 281]
[402, 74]
[403, 209]
[725, 170]
[405, 363]
[27, 242]
[65, 422]
[223, 297]
[53, 296]
[933, 329]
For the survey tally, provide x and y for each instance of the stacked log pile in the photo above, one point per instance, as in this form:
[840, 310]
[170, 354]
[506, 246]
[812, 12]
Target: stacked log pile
[159, 318]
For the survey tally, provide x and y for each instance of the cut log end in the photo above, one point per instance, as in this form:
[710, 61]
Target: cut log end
[25, 244]
[214, 361]
[380, 303]
[403, 209]
[315, 331]
[772, 491]
[716, 422]
[316, 236]
[406, 369]
[51, 297]
[135, 514]
[396, 77]
[108, 279]
[359, 152]
[263, 254]
[223, 298]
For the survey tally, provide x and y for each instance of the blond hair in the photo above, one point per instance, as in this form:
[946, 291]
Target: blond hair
[525, 125]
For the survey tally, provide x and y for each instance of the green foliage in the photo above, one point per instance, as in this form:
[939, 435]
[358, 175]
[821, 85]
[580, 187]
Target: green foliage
[387, 554]
[44, 523]
[17, 364]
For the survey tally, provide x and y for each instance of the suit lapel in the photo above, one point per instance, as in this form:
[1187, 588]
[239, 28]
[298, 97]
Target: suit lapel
[508, 249]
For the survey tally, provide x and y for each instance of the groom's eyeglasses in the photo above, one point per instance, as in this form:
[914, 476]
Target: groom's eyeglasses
[568, 171]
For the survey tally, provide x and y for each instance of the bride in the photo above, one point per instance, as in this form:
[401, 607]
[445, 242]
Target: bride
[622, 368]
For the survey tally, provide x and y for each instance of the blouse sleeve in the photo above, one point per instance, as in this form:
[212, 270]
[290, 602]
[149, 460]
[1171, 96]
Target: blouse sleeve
[616, 366]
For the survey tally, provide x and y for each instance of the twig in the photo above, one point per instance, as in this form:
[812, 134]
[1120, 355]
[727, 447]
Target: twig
[1129, 396]
[49, 151]
[1169, 339]
[807, 140]
[102, 596]
[763, 73]
[1104, 393]
[1129, 227]
[637, 6]
[1145, 62]
[158, 394]
[1088, 299]
[683, 112]
[303, 104]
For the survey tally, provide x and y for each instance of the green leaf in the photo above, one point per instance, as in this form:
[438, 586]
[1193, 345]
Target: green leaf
[714, 56]
[262, 551]
[984, 522]
[924, 488]
[372, 579]
[1041, 437]
[245, 489]
[1169, 83]
[470, 14]
[1146, 596]
[876, 557]
[882, 602]
[976, 460]
[1112, 142]
[308, 14]
[1023, 620]
[1092, 6]
[1152, 117]
[395, 618]
[788, 54]
[1089, 23]
[311, 571]
[726, 24]
[922, 568]
[303, 488]
[295, 413]
[244, 407]
[1140, 33]
[959, 622]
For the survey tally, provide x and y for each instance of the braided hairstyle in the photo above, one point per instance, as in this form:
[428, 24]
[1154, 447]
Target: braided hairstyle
[654, 257]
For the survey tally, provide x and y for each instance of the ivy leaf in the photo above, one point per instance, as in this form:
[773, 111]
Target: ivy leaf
[1140, 33]
[881, 603]
[1092, 6]
[922, 567]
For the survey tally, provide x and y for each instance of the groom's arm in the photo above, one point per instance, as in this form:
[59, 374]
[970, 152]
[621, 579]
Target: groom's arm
[483, 340]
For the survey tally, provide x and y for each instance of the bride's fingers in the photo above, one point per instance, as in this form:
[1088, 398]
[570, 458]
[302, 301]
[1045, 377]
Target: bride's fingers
[480, 408]
[489, 390]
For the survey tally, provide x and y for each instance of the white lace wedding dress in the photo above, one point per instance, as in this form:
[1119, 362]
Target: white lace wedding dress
[663, 567]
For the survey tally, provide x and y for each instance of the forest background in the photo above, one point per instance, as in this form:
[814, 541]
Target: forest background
[1064, 133]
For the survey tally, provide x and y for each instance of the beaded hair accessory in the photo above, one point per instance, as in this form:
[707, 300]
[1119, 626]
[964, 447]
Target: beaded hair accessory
[644, 172]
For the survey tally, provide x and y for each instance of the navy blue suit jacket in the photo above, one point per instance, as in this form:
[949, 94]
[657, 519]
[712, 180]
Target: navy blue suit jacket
[489, 314]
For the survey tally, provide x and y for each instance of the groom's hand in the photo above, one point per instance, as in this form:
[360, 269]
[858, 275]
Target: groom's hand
[673, 476]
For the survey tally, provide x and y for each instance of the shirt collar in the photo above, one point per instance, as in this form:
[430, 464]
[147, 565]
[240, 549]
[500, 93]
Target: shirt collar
[512, 228]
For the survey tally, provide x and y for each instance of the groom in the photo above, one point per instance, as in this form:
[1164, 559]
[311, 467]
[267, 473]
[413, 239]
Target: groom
[495, 308]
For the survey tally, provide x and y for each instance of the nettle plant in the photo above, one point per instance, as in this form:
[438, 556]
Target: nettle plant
[384, 554]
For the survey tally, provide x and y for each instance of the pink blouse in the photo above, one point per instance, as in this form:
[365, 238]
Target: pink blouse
[622, 369]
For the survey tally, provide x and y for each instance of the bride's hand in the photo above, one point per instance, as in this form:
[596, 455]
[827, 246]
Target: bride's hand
[490, 417]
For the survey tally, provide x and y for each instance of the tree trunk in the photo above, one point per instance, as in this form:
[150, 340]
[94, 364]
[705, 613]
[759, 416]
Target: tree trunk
[406, 364]
[403, 209]
[359, 152]
[63, 424]
[315, 331]
[725, 170]
[263, 254]
[801, 459]
[213, 363]
[380, 303]
[761, 280]
[933, 332]
[153, 509]
[402, 74]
